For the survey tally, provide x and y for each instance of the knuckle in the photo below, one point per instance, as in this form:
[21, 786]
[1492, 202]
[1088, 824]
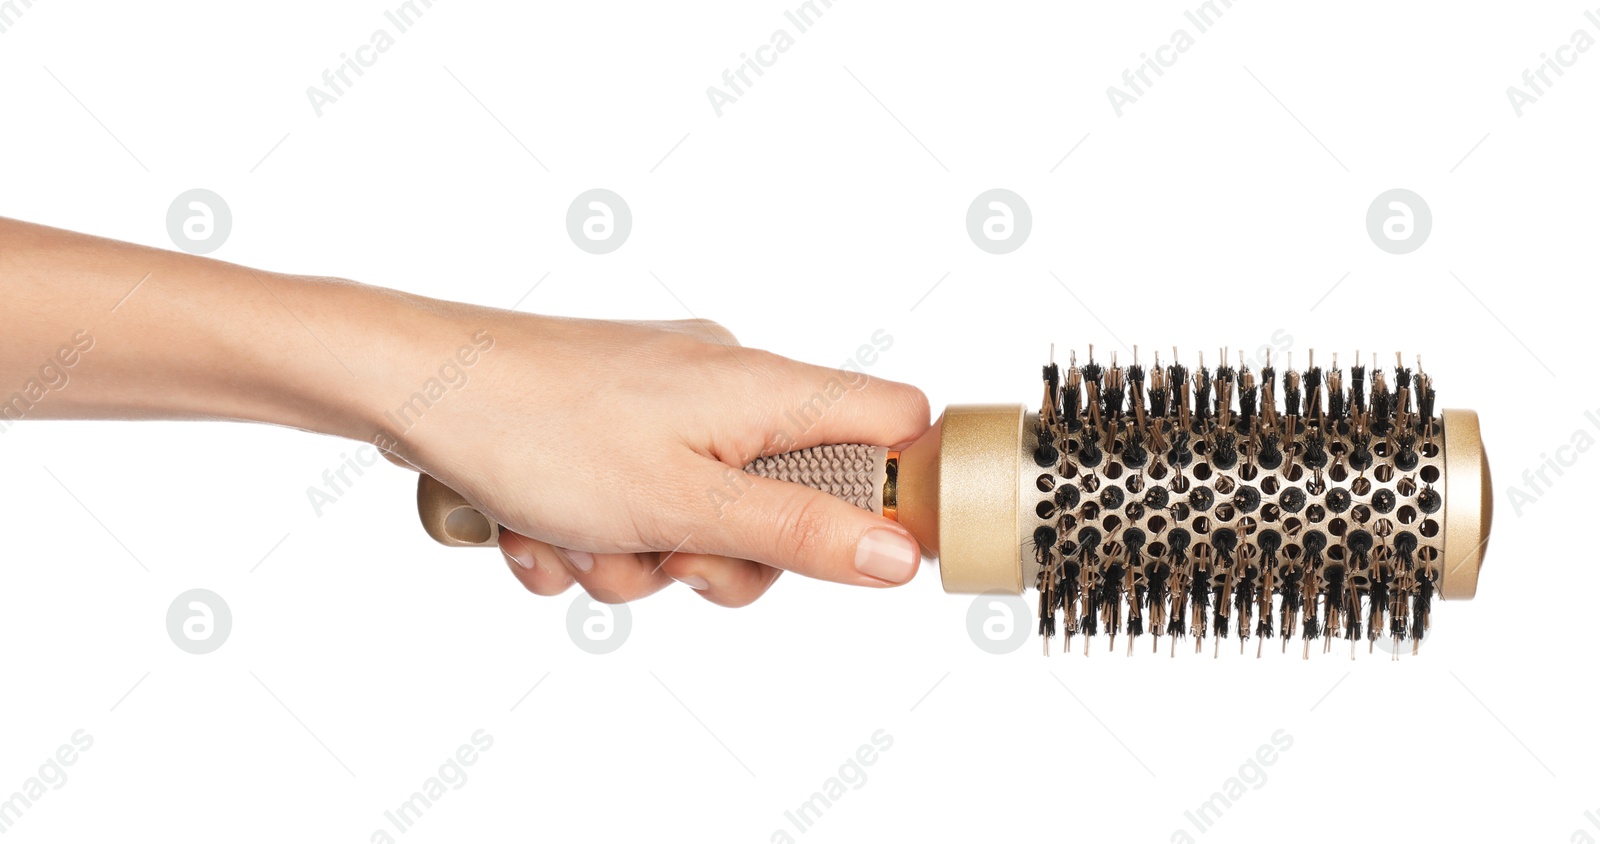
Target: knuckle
[610, 596]
[619, 587]
[751, 589]
[715, 329]
[734, 602]
[703, 330]
[904, 399]
[803, 526]
[918, 402]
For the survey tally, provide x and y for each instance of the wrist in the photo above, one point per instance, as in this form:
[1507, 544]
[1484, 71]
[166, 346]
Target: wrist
[371, 353]
[413, 356]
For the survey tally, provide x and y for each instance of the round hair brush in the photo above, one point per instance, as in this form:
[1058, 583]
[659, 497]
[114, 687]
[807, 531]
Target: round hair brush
[1221, 502]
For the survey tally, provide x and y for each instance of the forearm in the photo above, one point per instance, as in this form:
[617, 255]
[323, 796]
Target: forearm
[96, 329]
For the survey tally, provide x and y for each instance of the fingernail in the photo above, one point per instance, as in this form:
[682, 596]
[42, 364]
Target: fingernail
[580, 560]
[525, 563]
[695, 582]
[887, 555]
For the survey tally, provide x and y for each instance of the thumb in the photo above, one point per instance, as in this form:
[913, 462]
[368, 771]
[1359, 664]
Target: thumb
[799, 529]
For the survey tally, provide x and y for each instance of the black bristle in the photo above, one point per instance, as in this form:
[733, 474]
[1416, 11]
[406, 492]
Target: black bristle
[1180, 454]
[1316, 453]
[1134, 454]
[1178, 551]
[1244, 600]
[1158, 404]
[1269, 541]
[1199, 601]
[1406, 459]
[1224, 541]
[1133, 540]
[1405, 545]
[1359, 542]
[1072, 407]
[1089, 550]
[1247, 409]
[1314, 544]
[1420, 603]
[1226, 455]
[1042, 555]
[1382, 410]
[1361, 454]
[1089, 452]
[1052, 386]
[1112, 406]
[1271, 454]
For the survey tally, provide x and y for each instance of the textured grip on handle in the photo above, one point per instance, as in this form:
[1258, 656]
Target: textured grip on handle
[855, 473]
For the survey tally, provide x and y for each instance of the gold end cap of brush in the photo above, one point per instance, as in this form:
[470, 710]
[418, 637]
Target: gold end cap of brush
[1469, 506]
[449, 519]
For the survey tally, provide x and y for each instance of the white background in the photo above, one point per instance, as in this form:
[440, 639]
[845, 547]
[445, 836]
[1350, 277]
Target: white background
[1221, 207]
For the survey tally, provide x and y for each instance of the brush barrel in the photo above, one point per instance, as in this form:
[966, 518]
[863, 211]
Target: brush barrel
[1441, 505]
[974, 493]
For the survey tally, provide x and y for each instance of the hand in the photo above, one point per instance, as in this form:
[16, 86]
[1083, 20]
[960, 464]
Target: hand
[611, 454]
[610, 450]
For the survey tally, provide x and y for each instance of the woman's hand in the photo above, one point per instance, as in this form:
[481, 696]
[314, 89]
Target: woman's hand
[611, 453]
